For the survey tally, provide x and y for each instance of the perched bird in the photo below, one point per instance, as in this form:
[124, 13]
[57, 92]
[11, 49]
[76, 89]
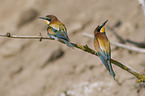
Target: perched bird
[56, 29]
[102, 47]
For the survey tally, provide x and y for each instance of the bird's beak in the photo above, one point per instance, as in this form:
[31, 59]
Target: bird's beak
[42, 18]
[100, 27]
[103, 24]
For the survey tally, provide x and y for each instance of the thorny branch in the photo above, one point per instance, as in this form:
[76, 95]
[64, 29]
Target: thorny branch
[140, 77]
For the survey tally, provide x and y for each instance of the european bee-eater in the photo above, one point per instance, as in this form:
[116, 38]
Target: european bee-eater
[56, 29]
[102, 47]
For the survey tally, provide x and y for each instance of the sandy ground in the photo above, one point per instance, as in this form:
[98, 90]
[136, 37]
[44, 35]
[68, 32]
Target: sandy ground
[49, 68]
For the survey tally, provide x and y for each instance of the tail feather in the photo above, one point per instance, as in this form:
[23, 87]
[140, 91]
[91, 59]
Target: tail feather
[68, 43]
[104, 62]
[112, 73]
[108, 65]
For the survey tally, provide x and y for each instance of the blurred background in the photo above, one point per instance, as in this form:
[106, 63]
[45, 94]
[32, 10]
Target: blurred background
[49, 68]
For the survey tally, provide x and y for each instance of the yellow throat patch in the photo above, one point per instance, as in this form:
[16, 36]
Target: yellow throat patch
[102, 29]
[47, 21]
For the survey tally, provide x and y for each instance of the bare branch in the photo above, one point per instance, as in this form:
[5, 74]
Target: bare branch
[24, 37]
[84, 48]
[138, 44]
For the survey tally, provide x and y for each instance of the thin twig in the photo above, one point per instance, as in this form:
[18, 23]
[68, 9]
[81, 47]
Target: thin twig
[138, 44]
[24, 37]
[84, 48]
[141, 50]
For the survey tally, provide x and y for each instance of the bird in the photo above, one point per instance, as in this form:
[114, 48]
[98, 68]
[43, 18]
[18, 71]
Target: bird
[102, 47]
[56, 29]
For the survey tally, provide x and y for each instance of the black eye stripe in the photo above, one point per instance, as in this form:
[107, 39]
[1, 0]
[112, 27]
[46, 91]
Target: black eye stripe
[48, 19]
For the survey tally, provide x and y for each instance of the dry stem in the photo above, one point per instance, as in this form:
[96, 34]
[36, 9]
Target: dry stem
[84, 48]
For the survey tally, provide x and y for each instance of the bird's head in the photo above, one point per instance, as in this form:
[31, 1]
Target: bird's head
[101, 28]
[49, 18]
